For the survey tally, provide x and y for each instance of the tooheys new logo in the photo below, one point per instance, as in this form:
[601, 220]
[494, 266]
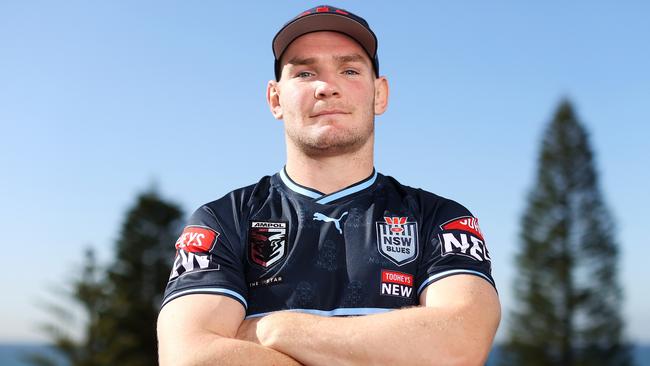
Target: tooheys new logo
[395, 283]
[193, 251]
[463, 236]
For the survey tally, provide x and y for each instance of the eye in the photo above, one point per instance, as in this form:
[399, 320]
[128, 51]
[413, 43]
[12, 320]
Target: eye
[350, 72]
[304, 74]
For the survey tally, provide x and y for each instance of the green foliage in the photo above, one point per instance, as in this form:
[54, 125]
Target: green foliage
[121, 303]
[568, 295]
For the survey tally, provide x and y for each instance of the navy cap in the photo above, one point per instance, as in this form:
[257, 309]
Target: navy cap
[326, 18]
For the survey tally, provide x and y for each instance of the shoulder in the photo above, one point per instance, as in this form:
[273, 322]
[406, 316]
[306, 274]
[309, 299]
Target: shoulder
[235, 202]
[428, 203]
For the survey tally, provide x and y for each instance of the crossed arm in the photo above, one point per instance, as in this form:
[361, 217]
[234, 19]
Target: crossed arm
[454, 326]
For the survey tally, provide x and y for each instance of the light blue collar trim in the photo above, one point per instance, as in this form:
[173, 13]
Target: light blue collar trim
[296, 188]
[348, 191]
[324, 199]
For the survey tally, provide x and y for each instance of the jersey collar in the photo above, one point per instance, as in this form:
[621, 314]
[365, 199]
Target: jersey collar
[322, 198]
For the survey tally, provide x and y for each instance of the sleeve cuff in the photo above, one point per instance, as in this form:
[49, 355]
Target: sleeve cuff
[207, 290]
[438, 276]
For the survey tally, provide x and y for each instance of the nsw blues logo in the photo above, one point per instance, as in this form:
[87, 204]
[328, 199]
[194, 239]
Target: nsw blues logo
[267, 242]
[397, 239]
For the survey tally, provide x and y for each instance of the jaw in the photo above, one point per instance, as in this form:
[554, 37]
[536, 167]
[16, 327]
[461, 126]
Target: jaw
[329, 142]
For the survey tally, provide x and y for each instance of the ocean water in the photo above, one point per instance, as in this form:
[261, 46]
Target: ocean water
[14, 354]
[641, 355]
[17, 354]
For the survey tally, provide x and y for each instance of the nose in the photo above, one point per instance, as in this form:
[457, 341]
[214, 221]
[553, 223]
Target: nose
[326, 89]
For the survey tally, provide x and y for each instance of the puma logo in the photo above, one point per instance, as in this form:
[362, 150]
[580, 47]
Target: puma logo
[320, 217]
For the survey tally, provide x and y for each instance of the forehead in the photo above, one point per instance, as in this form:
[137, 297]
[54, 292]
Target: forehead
[323, 45]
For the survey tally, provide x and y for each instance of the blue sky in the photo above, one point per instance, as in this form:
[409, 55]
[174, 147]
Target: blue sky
[100, 100]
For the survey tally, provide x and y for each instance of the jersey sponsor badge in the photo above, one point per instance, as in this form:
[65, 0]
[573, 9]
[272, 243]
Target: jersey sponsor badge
[395, 283]
[397, 239]
[267, 242]
[463, 236]
[193, 251]
[197, 239]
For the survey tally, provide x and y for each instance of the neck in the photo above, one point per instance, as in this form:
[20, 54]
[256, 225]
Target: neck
[329, 174]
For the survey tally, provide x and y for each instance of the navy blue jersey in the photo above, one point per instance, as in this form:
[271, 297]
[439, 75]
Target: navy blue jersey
[369, 248]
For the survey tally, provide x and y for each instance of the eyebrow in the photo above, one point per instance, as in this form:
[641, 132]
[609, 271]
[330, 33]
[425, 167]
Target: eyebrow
[350, 58]
[355, 57]
[302, 61]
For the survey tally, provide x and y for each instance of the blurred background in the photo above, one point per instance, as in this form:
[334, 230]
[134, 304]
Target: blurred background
[111, 108]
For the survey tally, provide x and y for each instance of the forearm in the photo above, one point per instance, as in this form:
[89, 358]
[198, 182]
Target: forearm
[215, 350]
[199, 330]
[415, 336]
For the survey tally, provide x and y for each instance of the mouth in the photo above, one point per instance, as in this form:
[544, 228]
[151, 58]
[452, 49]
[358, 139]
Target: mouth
[328, 112]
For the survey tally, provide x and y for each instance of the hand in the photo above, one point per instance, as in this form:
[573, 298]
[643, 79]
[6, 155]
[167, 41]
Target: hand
[248, 330]
[271, 330]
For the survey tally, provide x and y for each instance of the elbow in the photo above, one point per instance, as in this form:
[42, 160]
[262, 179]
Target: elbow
[473, 344]
[470, 358]
[175, 350]
[168, 355]
[196, 349]
[471, 351]
[466, 354]
[185, 355]
[477, 350]
[176, 361]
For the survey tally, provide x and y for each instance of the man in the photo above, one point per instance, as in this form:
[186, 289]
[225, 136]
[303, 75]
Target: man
[370, 271]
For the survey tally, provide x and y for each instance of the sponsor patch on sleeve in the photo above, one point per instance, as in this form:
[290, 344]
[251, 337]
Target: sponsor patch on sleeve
[193, 251]
[463, 236]
[197, 239]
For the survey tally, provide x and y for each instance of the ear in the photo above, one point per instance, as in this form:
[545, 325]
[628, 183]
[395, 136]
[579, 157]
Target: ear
[381, 95]
[273, 98]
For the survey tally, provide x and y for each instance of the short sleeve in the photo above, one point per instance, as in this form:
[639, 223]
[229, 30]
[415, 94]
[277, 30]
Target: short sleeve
[454, 245]
[208, 259]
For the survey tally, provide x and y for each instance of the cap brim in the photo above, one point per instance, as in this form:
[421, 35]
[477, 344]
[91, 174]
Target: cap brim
[324, 22]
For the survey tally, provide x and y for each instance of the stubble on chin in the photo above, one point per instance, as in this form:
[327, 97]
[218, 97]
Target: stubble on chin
[338, 141]
[330, 143]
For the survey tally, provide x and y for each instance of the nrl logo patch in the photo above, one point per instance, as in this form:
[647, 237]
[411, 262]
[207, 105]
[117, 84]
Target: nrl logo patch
[463, 236]
[397, 239]
[267, 242]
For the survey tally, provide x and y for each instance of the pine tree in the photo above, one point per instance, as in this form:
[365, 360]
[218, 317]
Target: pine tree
[137, 280]
[122, 302]
[87, 294]
[569, 299]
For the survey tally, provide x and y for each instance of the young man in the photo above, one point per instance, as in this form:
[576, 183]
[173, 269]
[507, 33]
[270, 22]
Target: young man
[370, 271]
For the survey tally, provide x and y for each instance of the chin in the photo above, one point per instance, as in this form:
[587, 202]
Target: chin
[330, 124]
[334, 144]
[329, 139]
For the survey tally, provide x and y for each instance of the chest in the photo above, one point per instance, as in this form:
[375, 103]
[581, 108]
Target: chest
[302, 256]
